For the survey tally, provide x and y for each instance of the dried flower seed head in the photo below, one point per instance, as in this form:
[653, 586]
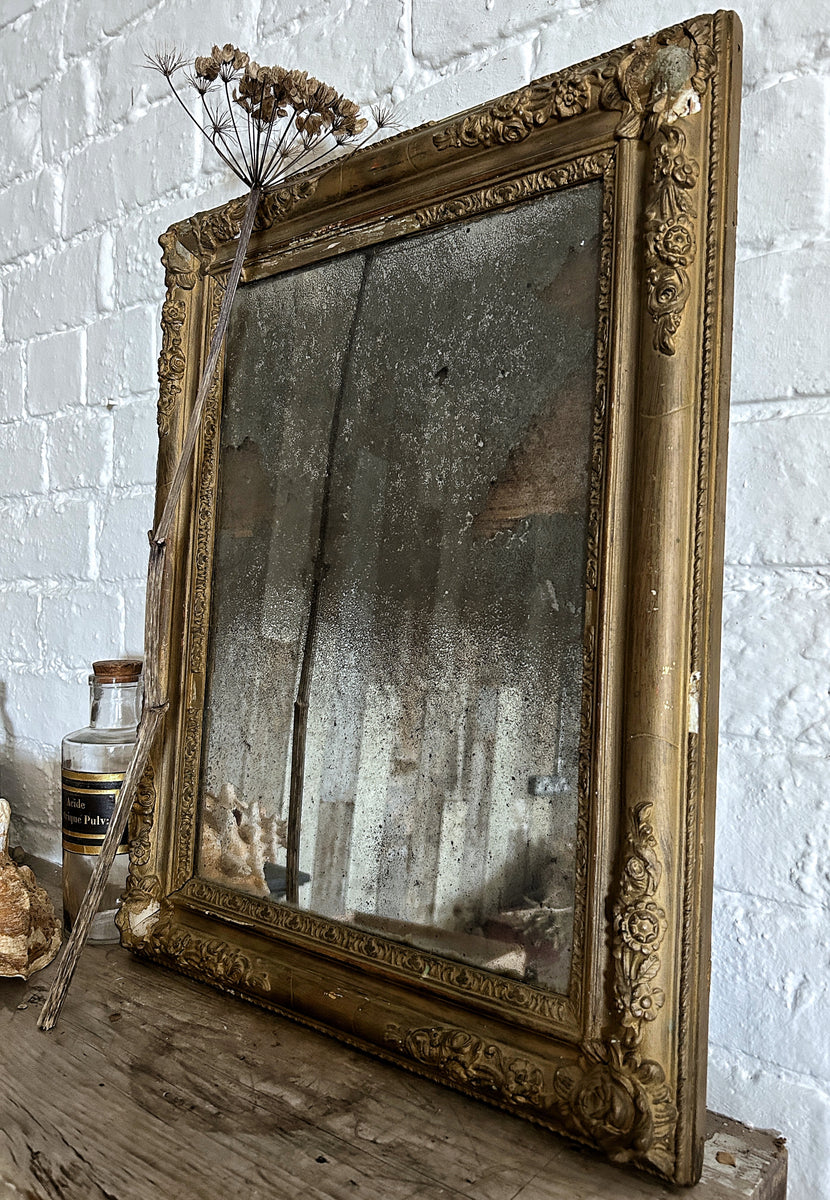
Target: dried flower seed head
[292, 121]
[206, 68]
[221, 124]
[382, 115]
[200, 83]
[348, 119]
[310, 125]
[320, 96]
[226, 63]
[167, 60]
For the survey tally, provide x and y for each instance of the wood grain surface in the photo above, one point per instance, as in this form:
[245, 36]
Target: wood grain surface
[154, 1086]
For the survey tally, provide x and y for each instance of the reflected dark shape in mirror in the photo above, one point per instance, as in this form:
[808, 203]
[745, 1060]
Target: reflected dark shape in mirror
[454, 404]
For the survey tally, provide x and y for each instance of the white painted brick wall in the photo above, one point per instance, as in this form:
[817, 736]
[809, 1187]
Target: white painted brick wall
[95, 163]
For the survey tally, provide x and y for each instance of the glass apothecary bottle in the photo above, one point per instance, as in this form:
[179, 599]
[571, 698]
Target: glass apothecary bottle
[93, 763]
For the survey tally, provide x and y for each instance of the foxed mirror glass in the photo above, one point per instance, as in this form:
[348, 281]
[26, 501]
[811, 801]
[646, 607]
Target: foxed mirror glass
[437, 774]
[419, 436]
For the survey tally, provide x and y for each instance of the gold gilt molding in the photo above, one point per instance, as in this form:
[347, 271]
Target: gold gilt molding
[172, 361]
[607, 1097]
[540, 1004]
[398, 957]
[599, 451]
[207, 232]
[144, 890]
[670, 234]
[208, 470]
[618, 1062]
[688, 993]
[648, 82]
[182, 269]
[600, 418]
[182, 273]
[611, 1095]
[141, 821]
[203, 957]
[200, 603]
[524, 187]
[652, 82]
[639, 927]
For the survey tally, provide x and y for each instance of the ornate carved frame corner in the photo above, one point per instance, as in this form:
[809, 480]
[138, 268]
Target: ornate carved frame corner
[618, 1062]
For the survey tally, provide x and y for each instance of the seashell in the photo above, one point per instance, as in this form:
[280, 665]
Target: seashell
[30, 934]
[238, 838]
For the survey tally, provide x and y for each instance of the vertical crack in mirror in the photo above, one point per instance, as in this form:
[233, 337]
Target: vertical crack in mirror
[438, 774]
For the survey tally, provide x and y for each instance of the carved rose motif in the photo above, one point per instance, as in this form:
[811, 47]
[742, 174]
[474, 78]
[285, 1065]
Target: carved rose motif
[609, 1095]
[668, 291]
[572, 96]
[614, 1098]
[603, 1105]
[636, 869]
[670, 240]
[641, 926]
[513, 129]
[650, 81]
[639, 1000]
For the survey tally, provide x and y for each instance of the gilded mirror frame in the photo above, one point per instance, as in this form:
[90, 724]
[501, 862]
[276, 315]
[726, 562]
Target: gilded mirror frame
[619, 1061]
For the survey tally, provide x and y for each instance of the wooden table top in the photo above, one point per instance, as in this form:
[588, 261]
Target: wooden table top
[152, 1085]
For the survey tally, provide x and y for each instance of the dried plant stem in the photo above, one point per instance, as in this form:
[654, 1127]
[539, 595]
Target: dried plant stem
[158, 601]
[300, 723]
[166, 519]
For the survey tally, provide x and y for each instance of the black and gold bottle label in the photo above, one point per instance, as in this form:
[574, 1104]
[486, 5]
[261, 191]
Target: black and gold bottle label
[87, 803]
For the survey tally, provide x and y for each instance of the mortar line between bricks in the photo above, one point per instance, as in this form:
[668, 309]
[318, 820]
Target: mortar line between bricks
[114, 225]
[769, 1062]
[476, 58]
[779, 417]
[797, 398]
[740, 743]
[766, 83]
[776, 900]
[110, 38]
[808, 243]
[767, 564]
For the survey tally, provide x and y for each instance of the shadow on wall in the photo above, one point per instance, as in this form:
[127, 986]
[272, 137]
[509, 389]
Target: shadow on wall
[30, 782]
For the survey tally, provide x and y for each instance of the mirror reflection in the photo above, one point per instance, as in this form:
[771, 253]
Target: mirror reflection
[392, 722]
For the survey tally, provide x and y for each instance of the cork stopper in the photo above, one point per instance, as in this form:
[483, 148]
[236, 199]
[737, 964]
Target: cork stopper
[117, 670]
